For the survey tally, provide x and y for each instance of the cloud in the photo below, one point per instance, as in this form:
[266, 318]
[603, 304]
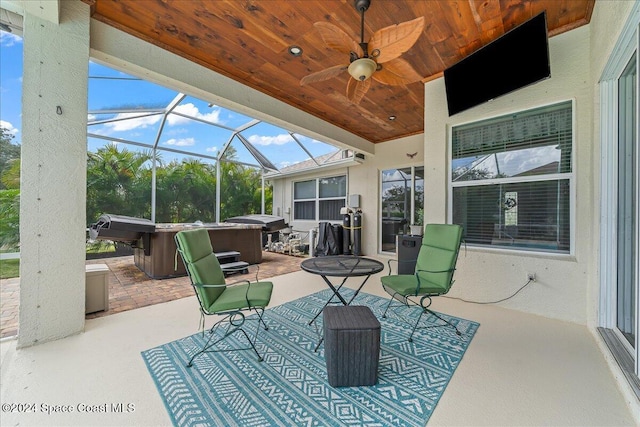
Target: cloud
[191, 110]
[91, 117]
[177, 131]
[9, 39]
[212, 149]
[9, 127]
[281, 139]
[306, 140]
[184, 142]
[132, 121]
[125, 122]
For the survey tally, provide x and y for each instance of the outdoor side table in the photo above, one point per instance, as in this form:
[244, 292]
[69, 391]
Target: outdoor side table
[344, 266]
[96, 288]
[351, 345]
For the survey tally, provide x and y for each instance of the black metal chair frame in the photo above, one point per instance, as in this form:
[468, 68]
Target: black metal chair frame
[407, 300]
[235, 318]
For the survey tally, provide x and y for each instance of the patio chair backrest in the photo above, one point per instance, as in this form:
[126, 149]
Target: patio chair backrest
[439, 252]
[201, 263]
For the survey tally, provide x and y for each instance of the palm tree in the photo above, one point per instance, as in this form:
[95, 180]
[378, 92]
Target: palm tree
[112, 175]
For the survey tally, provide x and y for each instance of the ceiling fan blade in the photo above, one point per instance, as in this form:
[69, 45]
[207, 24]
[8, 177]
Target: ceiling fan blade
[397, 72]
[325, 74]
[337, 39]
[356, 89]
[394, 40]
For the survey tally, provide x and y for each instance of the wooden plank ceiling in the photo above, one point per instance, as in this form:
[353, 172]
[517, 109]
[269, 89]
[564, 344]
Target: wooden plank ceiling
[248, 40]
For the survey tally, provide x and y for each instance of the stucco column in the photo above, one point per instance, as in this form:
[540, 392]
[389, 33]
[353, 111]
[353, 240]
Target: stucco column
[53, 181]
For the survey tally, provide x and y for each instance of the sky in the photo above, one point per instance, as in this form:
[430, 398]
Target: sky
[11, 83]
[206, 130]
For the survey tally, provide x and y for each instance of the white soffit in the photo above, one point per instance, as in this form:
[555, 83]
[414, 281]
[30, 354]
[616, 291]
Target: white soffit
[11, 21]
[48, 10]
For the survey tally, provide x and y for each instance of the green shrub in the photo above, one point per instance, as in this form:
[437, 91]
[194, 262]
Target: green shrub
[10, 220]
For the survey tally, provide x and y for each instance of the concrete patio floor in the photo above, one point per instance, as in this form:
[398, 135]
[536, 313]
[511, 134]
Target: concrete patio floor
[520, 369]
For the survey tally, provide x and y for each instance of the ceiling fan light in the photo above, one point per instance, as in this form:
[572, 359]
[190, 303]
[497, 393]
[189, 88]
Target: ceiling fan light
[361, 69]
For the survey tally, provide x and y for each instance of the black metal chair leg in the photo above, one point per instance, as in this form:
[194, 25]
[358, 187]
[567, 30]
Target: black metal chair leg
[260, 359]
[230, 330]
[384, 315]
[261, 320]
[415, 326]
[446, 321]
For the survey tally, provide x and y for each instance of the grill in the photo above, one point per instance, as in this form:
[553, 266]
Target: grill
[269, 223]
[121, 228]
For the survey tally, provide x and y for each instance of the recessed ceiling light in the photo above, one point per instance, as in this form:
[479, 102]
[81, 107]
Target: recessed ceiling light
[295, 50]
[392, 118]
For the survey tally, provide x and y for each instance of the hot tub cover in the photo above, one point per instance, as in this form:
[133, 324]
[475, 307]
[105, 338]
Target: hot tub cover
[268, 222]
[120, 228]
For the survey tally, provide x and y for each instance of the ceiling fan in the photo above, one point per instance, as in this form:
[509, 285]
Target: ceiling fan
[377, 59]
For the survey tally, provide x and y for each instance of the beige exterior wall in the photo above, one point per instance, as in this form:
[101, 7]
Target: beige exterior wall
[567, 286]
[485, 274]
[366, 182]
[363, 179]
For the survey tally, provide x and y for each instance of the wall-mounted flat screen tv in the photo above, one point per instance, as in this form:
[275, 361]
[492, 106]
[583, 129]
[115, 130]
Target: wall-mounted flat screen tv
[518, 58]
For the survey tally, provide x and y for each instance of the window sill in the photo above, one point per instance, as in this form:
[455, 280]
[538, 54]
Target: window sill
[519, 252]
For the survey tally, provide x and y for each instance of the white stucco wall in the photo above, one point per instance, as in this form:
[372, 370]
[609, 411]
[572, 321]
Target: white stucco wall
[283, 196]
[366, 182]
[563, 281]
[487, 275]
[53, 181]
[363, 179]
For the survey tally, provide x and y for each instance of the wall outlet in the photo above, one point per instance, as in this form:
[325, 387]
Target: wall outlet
[531, 276]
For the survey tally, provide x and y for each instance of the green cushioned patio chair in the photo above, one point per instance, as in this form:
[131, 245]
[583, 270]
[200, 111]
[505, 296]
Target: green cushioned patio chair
[215, 296]
[433, 273]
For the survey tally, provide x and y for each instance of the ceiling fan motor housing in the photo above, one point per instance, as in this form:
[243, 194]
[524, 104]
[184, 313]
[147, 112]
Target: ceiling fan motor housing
[361, 5]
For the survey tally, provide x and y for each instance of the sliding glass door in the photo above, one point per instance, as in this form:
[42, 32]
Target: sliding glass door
[401, 203]
[627, 215]
[619, 319]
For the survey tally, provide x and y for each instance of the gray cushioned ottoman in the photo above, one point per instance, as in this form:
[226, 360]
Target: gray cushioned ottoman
[351, 345]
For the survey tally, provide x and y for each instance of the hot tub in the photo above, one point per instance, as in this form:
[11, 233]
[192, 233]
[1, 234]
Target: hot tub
[155, 248]
[158, 261]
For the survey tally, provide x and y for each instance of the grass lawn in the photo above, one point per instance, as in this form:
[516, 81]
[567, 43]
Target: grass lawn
[9, 268]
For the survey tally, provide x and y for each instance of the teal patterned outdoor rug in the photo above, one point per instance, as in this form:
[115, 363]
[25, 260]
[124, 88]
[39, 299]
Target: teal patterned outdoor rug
[290, 388]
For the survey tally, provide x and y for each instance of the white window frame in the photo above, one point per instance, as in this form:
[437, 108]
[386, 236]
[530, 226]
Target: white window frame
[570, 176]
[317, 198]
